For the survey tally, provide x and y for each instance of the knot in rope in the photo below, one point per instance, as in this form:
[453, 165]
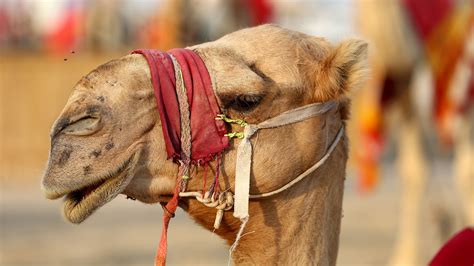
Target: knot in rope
[223, 201]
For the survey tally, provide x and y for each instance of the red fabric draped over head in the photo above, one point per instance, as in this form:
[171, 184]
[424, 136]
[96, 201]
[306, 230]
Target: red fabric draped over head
[207, 133]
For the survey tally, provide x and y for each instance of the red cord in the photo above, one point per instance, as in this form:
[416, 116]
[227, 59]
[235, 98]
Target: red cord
[218, 166]
[168, 212]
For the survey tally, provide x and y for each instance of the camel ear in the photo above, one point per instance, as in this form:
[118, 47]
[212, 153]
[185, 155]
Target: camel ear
[342, 69]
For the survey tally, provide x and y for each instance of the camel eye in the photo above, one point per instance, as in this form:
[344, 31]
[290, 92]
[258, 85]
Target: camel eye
[245, 102]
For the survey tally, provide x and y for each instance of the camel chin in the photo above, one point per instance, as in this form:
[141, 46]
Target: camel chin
[81, 203]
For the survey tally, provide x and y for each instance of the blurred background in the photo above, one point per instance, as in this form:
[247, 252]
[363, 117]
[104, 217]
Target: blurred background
[410, 184]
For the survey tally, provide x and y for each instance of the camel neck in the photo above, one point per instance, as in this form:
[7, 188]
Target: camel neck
[299, 226]
[304, 231]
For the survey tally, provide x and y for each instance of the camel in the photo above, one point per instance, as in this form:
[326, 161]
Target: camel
[108, 141]
[399, 57]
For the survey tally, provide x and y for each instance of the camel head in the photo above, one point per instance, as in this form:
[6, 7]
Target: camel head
[108, 138]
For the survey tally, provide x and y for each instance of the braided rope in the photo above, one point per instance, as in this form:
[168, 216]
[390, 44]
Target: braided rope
[185, 124]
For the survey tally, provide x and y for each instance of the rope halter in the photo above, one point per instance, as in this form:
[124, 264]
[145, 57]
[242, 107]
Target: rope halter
[176, 102]
[240, 201]
[244, 153]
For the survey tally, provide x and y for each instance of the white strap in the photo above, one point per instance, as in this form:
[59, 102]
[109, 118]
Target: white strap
[242, 176]
[297, 115]
[244, 151]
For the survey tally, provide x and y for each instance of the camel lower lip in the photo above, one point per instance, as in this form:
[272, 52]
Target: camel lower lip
[82, 203]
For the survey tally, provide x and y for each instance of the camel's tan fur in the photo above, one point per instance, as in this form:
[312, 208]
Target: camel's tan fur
[286, 70]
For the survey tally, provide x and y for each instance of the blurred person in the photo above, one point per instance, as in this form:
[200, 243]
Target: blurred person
[16, 24]
[227, 16]
[65, 30]
[198, 26]
[4, 25]
[104, 25]
[187, 22]
[136, 14]
[162, 30]
[332, 19]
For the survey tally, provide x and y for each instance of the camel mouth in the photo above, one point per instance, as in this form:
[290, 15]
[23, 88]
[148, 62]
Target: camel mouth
[81, 203]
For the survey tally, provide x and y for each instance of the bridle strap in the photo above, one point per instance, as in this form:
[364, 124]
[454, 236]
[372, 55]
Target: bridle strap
[242, 195]
[207, 201]
[292, 116]
[244, 151]
[310, 170]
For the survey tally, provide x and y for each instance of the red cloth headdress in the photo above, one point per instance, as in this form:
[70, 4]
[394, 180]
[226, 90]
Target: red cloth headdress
[207, 133]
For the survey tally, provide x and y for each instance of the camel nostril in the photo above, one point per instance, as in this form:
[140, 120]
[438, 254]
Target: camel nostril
[84, 126]
[60, 125]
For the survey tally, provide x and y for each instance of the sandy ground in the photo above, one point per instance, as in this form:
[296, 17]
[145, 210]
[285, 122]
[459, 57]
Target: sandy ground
[126, 232]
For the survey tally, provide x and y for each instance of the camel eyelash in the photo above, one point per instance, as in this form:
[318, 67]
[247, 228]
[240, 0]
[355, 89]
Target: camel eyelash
[241, 102]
